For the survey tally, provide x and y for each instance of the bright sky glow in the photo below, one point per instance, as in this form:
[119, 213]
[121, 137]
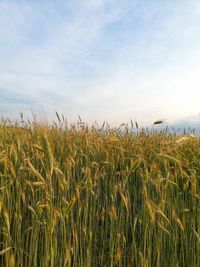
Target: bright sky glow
[103, 59]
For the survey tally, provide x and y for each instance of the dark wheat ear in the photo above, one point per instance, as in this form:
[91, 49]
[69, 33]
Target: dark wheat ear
[158, 122]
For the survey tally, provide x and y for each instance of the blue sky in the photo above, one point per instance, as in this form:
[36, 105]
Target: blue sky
[103, 59]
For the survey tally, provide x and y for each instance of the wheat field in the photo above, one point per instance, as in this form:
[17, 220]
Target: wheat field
[80, 196]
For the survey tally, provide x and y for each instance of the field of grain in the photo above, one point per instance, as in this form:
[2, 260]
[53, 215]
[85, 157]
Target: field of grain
[88, 197]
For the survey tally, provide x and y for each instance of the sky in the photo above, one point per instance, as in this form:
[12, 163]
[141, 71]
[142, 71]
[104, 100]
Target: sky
[101, 59]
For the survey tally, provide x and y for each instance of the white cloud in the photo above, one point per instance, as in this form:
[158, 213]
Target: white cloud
[65, 48]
